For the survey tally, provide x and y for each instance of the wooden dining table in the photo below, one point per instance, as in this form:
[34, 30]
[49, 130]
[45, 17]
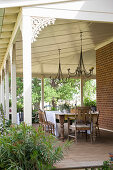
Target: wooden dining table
[64, 116]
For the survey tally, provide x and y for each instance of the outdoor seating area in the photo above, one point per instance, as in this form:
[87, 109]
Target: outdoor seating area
[56, 84]
[83, 120]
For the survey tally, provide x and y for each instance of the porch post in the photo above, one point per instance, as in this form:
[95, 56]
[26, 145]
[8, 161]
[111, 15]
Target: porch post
[81, 91]
[42, 93]
[2, 88]
[13, 83]
[27, 72]
[7, 90]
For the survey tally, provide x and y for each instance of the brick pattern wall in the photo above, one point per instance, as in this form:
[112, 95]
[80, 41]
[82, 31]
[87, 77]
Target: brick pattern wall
[104, 77]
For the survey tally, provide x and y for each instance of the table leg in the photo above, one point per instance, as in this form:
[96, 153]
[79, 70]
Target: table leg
[61, 120]
[94, 127]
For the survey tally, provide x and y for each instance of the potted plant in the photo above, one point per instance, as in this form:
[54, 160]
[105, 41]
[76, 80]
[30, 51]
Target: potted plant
[65, 107]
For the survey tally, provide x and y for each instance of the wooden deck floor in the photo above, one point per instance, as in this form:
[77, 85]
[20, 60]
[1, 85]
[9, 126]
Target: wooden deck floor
[84, 153]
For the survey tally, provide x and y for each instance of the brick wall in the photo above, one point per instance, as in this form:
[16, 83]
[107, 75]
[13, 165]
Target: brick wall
[104, 77]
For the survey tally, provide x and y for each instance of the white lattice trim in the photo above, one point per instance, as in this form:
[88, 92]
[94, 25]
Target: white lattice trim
[38, 23]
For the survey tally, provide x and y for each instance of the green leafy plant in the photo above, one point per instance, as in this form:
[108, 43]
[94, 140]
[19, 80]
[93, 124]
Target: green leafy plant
[19, 107]
[53, 109]
[106, 165]
[24, 148]
[65, 106]
[88, 102]
[35, 118]
[3, 121]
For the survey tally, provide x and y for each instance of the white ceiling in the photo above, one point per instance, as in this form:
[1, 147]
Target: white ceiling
[65, 34]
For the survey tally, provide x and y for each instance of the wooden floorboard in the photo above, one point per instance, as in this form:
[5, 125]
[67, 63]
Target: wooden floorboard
[84, 153]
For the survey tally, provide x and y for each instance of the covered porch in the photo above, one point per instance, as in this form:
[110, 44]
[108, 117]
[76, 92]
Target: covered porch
[53, 27]
[34, 43]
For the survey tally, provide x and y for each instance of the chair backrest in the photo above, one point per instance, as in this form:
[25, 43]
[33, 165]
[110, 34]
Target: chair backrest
[83, 114]
[42, 118]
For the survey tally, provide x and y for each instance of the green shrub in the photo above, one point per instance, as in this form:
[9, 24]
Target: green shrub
[19, 107]
[35, 118]
[88, 102]
[106, 165]
[24, 148]
[53, 108]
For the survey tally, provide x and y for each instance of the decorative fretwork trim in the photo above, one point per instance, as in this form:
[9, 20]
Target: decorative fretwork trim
[38, 23]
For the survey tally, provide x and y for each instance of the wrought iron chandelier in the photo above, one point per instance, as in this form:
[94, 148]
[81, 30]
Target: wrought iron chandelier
[80, 70]
[59, 75]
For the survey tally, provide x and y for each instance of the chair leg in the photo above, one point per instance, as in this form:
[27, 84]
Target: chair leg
[97, 131]
[91, 137]
[68, 129]
[76, 136]
[86, 134]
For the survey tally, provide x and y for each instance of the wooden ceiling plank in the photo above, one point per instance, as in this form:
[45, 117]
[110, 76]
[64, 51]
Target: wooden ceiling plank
[8, 27]
[5, 34]
[4, 40]
[12, 10]
[3, 50]
[3, 45]
[9, 19]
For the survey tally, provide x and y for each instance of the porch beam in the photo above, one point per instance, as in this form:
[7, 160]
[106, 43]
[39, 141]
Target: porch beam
[48, 75]
[27, 71]
[29, 3]
[78, 10]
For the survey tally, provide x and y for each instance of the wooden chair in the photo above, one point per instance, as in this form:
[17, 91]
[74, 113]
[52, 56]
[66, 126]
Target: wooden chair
[47, 125]
[82, 123]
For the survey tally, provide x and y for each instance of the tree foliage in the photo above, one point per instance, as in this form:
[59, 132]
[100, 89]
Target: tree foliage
[55, 90]
[60, 90]
[89, 92]
[89, 89]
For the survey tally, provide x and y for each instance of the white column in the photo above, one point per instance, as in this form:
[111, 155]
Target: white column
[2, 88]
[13, 83]
[0, 91]
[7, 90]
[42, 93]
[81, 91]
[27, 72]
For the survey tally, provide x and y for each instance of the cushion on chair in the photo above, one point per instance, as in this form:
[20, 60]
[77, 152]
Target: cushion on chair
[80, 126]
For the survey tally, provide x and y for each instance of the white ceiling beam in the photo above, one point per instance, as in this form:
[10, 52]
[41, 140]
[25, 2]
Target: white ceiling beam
[52, 75]
[18, 3]
[70, 13]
